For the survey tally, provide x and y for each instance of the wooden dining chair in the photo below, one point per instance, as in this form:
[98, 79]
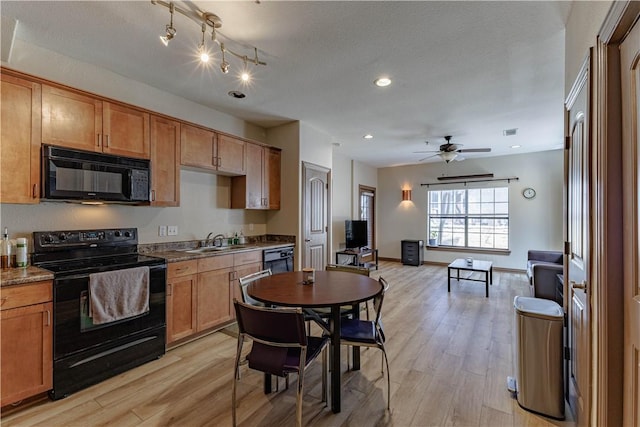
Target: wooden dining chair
[280, 346]
[369, 333]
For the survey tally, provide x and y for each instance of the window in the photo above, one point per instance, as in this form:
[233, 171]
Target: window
[367, 212]
[469, 218]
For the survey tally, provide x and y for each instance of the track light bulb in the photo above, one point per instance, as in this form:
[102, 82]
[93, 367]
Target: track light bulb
[224, 67]
[245, 76]
[204, 56]
[170, 33]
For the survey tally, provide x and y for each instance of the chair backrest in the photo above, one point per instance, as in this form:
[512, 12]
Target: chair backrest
[378, 299]
[274, 331]
[244, 283]
[348, 268]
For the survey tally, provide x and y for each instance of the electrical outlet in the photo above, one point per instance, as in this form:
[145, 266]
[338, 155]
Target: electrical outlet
[162, 230]
[172, 230]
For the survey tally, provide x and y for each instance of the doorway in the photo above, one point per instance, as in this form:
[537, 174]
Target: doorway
[367, 212]
[315, 215]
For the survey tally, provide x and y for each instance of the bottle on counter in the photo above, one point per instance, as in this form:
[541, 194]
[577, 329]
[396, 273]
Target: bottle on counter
[235, 238]
[22, 258]
[242, 240]
[5, 257]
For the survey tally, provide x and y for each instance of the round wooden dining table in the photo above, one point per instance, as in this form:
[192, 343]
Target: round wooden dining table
[330, 289]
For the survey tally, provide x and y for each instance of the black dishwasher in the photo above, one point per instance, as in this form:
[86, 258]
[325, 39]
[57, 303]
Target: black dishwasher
[279, 260]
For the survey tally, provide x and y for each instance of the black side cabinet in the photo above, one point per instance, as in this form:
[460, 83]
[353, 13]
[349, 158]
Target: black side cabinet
[412, 252]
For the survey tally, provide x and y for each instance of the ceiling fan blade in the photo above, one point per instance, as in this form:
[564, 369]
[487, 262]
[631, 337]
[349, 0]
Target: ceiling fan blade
[430, 151]
[474, 150]
[428, 157]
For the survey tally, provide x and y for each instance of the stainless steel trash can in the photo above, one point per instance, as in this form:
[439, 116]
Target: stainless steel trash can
[538, 356]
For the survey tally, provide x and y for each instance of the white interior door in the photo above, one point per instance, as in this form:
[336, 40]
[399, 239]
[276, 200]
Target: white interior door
[578, 211]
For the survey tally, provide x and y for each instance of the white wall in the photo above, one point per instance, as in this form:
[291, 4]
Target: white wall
[533, 224]
[585, 20]
[204, 197]
[341, 198]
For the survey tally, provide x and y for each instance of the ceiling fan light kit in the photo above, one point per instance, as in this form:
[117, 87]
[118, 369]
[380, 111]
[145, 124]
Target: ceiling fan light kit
[207, 20]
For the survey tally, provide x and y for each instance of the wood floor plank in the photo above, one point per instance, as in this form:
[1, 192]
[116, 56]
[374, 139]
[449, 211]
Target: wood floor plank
[449, 354]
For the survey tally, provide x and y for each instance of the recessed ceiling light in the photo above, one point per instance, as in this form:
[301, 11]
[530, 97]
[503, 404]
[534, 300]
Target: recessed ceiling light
[368, 136]
[510, 132]
[236, 94]
[382, 81]
[515, 146]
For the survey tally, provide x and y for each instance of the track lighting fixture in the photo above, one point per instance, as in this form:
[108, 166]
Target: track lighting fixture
[170, 32]
[202, 48]
[208, 20]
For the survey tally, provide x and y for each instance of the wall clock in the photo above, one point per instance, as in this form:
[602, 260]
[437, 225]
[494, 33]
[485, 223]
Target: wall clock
[529, 193]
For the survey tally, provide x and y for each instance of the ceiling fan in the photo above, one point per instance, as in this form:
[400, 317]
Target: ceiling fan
[449, 151]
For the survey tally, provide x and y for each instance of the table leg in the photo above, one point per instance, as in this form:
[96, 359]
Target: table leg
[267, 383]
[486, 284]
[448, 279]
[335, 359]
[491, 275]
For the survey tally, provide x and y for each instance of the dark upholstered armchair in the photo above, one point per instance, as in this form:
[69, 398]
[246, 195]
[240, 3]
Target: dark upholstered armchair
[542, 268]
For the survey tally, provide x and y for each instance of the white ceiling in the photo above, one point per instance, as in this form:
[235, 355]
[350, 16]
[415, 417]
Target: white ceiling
[464, 68]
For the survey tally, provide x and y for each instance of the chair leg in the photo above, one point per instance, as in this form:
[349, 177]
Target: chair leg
[300, 387]
[384, 354]
[324, 376]
[236, 377]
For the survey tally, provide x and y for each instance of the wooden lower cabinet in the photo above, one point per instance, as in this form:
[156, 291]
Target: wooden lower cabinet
[200, 292]
[26, 341]
[181, 300]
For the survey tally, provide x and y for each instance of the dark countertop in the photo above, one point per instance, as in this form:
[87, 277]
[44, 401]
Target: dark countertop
[19, 276]
[182, 255]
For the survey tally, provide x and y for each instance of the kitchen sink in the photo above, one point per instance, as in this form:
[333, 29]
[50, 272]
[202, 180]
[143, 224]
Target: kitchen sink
[218, 249]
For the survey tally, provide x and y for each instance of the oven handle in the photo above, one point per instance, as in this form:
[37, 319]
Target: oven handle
[84, 275]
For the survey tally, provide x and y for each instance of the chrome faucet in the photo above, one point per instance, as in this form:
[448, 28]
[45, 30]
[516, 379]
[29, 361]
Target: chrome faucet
[212, 241]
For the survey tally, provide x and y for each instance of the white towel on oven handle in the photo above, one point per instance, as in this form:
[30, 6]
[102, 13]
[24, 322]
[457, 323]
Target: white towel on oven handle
[118, 294]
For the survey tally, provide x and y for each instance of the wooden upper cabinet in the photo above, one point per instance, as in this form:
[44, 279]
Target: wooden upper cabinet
[197, 147]
[125, 131]
[230, 155]
[273, 159]
[165, 162]
[260, 187]
[75, 120]
[20, 136]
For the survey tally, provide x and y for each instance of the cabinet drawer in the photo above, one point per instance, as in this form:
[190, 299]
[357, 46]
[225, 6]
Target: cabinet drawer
[28, 294]
[183, 268]
[215, 262]
[247, 257]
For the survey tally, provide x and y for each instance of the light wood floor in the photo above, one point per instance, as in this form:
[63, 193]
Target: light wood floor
[450, 355]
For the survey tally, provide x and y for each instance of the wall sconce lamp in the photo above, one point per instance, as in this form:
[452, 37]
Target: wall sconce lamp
[406, 195]
[208, 20]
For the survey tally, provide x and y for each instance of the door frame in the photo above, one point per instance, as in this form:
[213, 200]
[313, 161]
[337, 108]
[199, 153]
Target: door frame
[369, 189]
[607, 231]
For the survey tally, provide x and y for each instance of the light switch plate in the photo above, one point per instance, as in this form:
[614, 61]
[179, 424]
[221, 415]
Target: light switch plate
[172, 230]
[162, 230]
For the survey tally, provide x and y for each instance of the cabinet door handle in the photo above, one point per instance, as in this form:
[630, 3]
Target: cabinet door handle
[106, 140]
[169, 290]
[98, 139]
[34, 191]
[153, 195]
[219, 162]
[214, 161]
[48, 322]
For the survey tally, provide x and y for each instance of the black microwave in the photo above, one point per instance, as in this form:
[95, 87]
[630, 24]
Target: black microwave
[75, 175]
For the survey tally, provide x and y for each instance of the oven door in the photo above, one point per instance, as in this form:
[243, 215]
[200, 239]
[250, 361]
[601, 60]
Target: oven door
[73, 330]
[278, 260]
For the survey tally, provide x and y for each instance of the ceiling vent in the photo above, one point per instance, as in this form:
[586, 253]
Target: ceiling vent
[510, 132]
[236, 94]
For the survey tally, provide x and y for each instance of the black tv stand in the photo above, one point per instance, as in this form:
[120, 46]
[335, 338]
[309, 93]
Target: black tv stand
[358, 256]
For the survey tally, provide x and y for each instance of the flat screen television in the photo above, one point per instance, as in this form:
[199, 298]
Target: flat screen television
[355, 233]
